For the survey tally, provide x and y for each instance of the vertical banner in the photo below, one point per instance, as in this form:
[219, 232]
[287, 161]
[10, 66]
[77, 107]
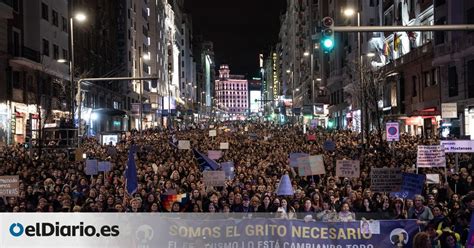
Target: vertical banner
[393, 131]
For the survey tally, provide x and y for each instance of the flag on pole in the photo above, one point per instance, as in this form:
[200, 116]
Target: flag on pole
[396, 42]
[205, 163]
[131, 182]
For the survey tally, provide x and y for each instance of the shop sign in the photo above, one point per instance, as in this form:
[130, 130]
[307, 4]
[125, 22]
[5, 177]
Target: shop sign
[449, 110]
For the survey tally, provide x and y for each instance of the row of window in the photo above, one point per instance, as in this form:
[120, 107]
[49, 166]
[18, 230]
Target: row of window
[54, 17]
[56, 52]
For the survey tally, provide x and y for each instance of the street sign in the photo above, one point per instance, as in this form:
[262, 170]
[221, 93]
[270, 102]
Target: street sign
[458, 146]
[393, 132]
[449, 110]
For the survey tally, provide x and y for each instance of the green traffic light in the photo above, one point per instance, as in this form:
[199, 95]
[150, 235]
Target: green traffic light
[328, 43]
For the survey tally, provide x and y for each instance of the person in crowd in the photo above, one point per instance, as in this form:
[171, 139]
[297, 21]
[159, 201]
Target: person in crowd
[419, 211]
[345, 214]
[422, 240]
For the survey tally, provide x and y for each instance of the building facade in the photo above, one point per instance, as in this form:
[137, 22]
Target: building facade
[232, 93]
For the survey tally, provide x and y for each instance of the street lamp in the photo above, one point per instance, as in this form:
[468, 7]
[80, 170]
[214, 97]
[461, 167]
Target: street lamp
[306, 54]
[143, 57]
[80, 17]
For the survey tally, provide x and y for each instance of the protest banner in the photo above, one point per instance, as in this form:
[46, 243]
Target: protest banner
[430, 156]
[230, 230]
[412, 184]
[348, 168]
[212, 133]
[432, 178]
[311, 165]
[91, 167]
[104, 166]
[214, 178]
[10, 185]
[386, 179]
[224, 146]
[229, 169]
[458, 146]
[294, 158]
[184, 145]
[214, 154]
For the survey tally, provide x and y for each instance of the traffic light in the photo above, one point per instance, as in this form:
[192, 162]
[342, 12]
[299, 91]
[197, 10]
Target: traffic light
[327, 34]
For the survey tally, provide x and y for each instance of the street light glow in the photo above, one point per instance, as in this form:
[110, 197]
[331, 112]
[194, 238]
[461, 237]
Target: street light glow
[318, 79]
[349, 12]
[80, 17]
[62, 61]
[370, 55]
[146, 56]
[306, 54]
[288, 71]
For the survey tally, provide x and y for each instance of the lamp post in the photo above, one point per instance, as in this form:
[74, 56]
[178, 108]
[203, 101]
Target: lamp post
[80, 17]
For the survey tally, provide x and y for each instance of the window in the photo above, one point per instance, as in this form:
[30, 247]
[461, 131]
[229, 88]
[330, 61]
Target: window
[439, 35]
[64, 23]
[470, 79]
[414, 81]
[470, 16]
[44, 11]
[65, 54]
[452, 81]
[435, 76]
[16, 43]
[55, 52]
[45, 47]
[427, 78]
[55, 18]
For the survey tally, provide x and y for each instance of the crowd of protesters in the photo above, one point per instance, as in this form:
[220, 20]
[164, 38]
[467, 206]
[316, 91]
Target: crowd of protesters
[57, 183]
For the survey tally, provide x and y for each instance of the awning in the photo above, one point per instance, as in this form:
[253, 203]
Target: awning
[108, 111]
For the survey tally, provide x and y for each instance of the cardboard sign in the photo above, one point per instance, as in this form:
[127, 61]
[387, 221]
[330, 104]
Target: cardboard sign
[432, 178]
[458, 146]
[229, 169]
[104, 166]
[9, 185]
[214, 178]
[212, 133]
[224, 146]
[311, 165]
[348, 168]
[431, 156]
[386, 179]
[412, 184]
[214, 154]
[393, 132]
[294, 158]
[91, 168]
[184, 145]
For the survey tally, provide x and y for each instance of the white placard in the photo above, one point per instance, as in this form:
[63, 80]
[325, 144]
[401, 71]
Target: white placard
[432, 178]
[348, 168]
[458, 146]
[430, 156]
[311, 165]
[214, 178]
[224, 146]
[212, 133]
[393, 131]
[449, 110]
[184, 145]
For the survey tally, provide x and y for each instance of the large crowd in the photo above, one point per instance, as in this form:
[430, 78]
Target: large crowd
[55, 182]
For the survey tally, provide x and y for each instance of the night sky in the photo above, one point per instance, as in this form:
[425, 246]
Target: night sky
[240, 29]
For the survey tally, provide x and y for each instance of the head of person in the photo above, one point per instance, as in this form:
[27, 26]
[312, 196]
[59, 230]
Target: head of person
[422, 240]
[418, 201]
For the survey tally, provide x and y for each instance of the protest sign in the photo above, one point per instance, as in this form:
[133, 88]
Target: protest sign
[412, 184]
[431, 156]
[348, 168]
[458, 146]
[78, 155]
[212, 133]
[9, 186]
[217, 154]
[184, 145]
[432, 178]
[311, 165]
[104, 166]
[386, 179]
[91, 168]
[294, 158]
[214, 178]
[229, 169]
[329, 145]
[224, 146]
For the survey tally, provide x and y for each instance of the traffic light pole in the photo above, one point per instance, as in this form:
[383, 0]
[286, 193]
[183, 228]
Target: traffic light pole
[79, 96]
[460, 27]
